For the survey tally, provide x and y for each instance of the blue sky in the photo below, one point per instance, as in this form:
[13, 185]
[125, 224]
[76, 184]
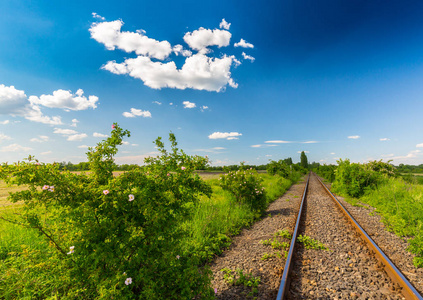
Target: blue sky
[237, 81]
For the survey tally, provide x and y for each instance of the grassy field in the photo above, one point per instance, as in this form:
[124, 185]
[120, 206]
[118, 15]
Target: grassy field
[209, 227]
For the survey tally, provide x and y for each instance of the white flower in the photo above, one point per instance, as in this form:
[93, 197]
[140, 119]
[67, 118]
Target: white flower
[71, 250]
[131, 197]
[128, 281]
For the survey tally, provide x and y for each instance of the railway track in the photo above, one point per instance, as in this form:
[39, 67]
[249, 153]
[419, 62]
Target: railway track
[352, 267]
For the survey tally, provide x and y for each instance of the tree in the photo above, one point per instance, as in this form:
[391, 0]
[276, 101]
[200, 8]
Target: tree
[304, 162]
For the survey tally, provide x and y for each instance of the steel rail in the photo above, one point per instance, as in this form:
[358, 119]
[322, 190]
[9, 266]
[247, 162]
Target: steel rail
[283, 288]
[408, 290]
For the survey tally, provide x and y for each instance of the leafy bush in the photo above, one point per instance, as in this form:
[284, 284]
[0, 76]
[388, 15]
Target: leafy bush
[327, 172]
[245, 186]
[355, 179]
[108, 237]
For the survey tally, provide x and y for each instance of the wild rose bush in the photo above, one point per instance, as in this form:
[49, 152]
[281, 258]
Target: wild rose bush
[245, 186]
[108, 237]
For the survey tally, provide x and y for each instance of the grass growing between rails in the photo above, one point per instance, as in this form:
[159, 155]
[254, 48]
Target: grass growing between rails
[215, 219]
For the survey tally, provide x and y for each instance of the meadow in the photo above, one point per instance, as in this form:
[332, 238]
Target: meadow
[75, 235]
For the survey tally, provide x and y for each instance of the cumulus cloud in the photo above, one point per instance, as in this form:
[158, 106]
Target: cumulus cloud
[15, 148]
[64, 131]
[242, 43]
[354, 137]
[4, 137]
[15, 102]
[202, 38]
[188, 104]
[74, 122]
[110, 34]
[225, 135]
[384, 139]
[224, 24]
[5, 122]
[419, 145]
[40, 139]
[179, 50]
[70, 134]
[66, 100]
[199, 71]
[77, 137]
[248, 57]
[204, 107]
[96, 134]
[137, 113]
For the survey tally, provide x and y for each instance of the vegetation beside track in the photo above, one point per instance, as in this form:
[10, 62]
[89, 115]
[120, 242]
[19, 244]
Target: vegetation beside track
[398, 200]
[142, 235]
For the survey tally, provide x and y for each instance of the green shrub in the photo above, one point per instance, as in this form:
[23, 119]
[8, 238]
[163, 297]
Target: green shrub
[355, 179]
[245, 186]
[108, 237]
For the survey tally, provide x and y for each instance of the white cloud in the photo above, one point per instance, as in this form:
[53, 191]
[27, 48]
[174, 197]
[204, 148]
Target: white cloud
[96, 134]
[354, 137]
[388, 155]
[248, 57]
[384, 139]
[242, 43]
[224, 135]
[202, 38]
[96, 16]
[178, 49]
[219, 148]
[310, 142]
[110, 34]
[137, 113]
[304, 151]
[419, 145]
[157, 102]
[4, 137]
[256, 146]
[413, 157]
[66, 100]
[15, 148]
[46, 152]
[64, 131]
[83, 146]
[74, 122]
[5, 122]
[332, 153]
[203, 108]
[40, 139]
[188, 104]
[15, 103]
[125, 143]
[278, 142]
[224, 24]
[199, 71]
[77, 137]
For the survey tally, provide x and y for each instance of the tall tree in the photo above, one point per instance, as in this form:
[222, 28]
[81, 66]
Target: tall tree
[304, 161]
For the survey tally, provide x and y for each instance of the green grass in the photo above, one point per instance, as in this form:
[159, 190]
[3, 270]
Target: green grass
[214, 220]
[401, 206]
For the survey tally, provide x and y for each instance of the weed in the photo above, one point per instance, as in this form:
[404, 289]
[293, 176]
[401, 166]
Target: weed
[310, 243]
[283, 233]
